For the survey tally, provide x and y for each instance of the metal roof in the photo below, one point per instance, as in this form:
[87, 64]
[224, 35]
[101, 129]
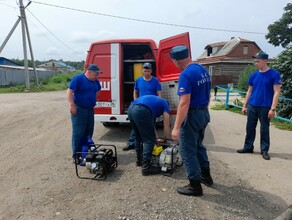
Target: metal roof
[19, 67]
[58, 63]
[5, 61]
[224, 48]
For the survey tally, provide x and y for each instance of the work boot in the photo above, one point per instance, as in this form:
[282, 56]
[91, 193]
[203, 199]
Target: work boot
[206, 176]
[265, 155]
[244, 151]
[147, 169]
[194, 188]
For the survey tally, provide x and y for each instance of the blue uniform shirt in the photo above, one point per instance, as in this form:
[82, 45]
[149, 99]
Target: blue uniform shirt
[84, 91]
[147, 87]
[156, 104]
[195, 80]
[263, 87]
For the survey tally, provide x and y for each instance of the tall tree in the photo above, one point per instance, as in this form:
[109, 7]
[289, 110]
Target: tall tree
[280, 32]
[283, 63]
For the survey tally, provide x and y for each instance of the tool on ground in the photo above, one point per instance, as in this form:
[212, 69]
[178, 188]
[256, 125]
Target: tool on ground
[166, 155]
[97, 162]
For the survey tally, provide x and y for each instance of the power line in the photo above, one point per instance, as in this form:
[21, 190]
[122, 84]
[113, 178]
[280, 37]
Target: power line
[1, 3]
[41, 30]
[70, 55]
[49, 30]
[148, 21]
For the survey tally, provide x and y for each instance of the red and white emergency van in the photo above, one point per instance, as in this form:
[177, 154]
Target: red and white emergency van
[121, 62]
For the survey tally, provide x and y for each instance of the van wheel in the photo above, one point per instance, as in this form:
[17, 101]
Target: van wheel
[109, 124]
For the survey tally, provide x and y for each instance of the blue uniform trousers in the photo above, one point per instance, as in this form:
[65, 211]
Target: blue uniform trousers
[132, 138]
[82, 125]
[253, 115]
[143, 124]
[192, 150]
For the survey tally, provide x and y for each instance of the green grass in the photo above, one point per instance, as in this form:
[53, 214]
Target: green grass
[218, 107]
[282, 124]
[55, 83]
[276, 122]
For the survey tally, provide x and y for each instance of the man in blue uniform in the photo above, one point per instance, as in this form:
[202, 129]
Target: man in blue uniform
[81, 96]
[142, 113]
[191, 120]
[260, 104]
[144, 85]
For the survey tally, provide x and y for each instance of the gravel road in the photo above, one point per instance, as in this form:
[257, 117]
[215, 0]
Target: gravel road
[38, 179]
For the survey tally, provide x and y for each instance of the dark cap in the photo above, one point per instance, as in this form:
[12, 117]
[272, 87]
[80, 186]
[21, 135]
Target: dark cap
[261, 55]
[147, 66]
[179, 52]
[94, 67]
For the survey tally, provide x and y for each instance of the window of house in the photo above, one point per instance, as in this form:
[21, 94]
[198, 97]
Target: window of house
[209, 51]
[245, 50]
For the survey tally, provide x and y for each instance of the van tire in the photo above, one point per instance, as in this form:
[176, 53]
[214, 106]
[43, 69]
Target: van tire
[109, 124]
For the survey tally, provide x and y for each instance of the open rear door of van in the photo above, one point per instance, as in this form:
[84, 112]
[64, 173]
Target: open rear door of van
[166, 70]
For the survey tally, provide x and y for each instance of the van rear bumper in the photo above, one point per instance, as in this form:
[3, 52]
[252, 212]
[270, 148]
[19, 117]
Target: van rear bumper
[111, 118]
[117, 118]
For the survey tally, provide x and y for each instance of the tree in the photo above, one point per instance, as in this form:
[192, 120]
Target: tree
[280, 32]
[244, 76]
[283, 63]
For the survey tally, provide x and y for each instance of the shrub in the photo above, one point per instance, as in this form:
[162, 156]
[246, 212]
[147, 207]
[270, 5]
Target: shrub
[61, 78]
[244, 76]
[283, 63]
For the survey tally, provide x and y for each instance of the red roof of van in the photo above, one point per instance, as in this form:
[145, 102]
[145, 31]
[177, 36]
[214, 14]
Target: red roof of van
[125, 41]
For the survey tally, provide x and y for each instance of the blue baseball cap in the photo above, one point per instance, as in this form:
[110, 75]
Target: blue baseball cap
[147, 66]
[94, 67]
[261, 55]
[179, 52]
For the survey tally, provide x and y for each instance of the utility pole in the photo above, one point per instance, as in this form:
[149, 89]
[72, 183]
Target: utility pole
[22, 18]
[30, 48]
[25, 33]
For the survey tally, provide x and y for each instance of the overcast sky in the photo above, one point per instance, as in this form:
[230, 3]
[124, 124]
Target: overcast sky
[58, 33]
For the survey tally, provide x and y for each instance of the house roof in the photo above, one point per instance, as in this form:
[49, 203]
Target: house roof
[216, 44]
[58, 63]
[63, 65]
[223, 48]
[19, 67]
[5, 61]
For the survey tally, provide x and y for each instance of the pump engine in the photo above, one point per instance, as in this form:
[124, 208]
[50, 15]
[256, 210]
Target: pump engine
[100, 160]
[166, 156]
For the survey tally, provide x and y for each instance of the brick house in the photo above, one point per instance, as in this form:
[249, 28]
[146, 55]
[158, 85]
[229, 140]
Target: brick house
[226, 60]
